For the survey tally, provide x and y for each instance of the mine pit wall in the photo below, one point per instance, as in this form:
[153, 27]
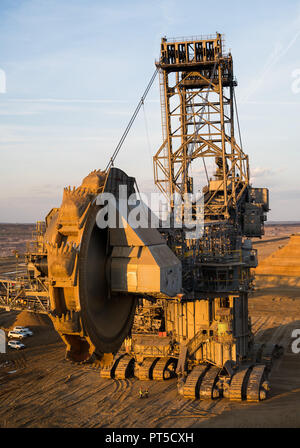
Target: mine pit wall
[215, 330]
[282, 268]
[277, 281]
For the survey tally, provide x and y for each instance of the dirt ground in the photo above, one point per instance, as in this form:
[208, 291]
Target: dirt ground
[14, 239]
[38, 388]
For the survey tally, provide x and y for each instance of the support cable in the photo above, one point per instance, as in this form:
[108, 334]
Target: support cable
[141, 102]
[147, 133]
[238, 121]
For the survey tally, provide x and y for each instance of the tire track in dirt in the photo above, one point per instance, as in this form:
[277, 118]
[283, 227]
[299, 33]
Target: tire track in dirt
[124, 388]
[278, 332]
[142, 410]
[256, 323]
[264, 326]
[191, 411]
[54, 402]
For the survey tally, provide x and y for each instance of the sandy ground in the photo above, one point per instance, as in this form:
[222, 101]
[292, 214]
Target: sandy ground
[14, 237]
[44, 390]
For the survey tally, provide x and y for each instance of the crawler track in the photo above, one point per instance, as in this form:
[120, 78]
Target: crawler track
[125, 368]
[108, 371]
[254, 388]
[237, 391]
[144, 371]
[164, 369]
[208, 390]
[193, 381]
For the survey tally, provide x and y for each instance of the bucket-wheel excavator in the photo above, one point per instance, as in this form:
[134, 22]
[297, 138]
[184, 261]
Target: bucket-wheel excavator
[156, 303]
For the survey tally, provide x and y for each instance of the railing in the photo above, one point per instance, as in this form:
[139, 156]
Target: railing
[196, 342]
[221, 257]
[193, 38]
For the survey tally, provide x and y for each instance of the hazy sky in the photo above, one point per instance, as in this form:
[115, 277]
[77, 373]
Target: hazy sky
[75, 70]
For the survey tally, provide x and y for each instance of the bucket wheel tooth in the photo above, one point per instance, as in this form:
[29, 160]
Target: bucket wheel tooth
[144, 371]
[208, 390]
[255, 391]
[238, 386]
[125, 368]
[89, 317]
[164, 369]
[193, 381]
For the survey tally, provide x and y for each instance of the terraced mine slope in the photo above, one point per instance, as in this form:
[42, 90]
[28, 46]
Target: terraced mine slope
[282, 267]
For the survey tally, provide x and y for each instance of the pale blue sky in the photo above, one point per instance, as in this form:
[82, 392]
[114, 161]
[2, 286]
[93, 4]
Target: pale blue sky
[76, 69]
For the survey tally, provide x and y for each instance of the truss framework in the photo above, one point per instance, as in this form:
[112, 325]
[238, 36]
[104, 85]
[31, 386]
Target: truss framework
[197, 106]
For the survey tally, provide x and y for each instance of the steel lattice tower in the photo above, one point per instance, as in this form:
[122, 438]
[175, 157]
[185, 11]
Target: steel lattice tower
[197, 104]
